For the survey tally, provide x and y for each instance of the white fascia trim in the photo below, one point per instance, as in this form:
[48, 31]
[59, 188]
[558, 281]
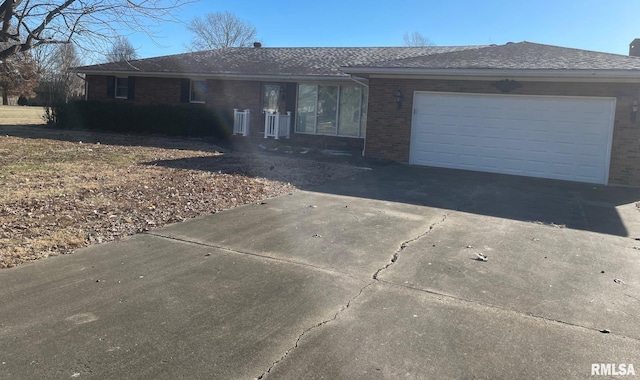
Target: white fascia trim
[541, 75]
[285, 78]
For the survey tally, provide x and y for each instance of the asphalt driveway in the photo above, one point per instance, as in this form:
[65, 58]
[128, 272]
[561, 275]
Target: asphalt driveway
[374, 276]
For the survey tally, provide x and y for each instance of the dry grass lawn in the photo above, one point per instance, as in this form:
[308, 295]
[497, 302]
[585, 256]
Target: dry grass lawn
[63, 190]
[17, 115]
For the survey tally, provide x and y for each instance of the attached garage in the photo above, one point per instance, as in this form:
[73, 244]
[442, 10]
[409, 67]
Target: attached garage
[558, 137]
[521, 108]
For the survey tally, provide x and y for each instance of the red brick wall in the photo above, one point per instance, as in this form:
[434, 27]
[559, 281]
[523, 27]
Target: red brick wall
[351, 144]
[97, 87]
[221, 95]
[389, 128]
[158, 91]
[243, 95]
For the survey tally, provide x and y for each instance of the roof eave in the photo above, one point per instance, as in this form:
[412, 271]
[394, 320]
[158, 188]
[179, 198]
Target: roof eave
[262, 77]
[521, 74]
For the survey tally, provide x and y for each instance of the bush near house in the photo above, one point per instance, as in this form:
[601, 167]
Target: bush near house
[151, 119]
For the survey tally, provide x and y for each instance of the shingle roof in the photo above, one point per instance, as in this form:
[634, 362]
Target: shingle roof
[516, 56]
[336, 62]
[270, 61]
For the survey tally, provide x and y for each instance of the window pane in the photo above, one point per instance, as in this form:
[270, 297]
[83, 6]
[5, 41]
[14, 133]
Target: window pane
[122, 87]
[327, 107]
[349, 121]
[198, 90]
[306, 112]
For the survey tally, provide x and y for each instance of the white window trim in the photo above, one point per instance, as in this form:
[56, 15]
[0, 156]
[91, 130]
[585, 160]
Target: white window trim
[315, 119]
[115, 90]
[191, 82]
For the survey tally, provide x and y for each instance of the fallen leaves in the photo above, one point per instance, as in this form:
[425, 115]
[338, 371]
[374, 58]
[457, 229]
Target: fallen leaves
[61, 195]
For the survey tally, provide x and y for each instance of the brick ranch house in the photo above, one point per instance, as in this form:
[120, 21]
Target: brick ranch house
[520, 108]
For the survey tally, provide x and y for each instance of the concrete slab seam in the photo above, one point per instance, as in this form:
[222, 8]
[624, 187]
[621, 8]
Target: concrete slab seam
[405, 244]
[316, 326]
[492, 306]
[583, 214]
[235, 251]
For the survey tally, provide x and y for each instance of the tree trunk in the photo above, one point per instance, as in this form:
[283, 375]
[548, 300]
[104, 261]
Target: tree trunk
[5, 98]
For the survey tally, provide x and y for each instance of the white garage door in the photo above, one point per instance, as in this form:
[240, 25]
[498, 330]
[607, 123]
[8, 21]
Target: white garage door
[556, 137]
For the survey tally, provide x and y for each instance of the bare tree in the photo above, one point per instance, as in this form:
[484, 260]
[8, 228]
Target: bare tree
[416, 39]
[18, 75]
[220, 30]
[59, 84]
[121, 50]
[26, 24]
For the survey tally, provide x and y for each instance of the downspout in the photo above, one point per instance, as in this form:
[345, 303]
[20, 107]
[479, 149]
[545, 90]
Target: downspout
[361, 81]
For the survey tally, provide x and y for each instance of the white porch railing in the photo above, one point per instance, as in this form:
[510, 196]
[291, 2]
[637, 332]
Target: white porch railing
[241, 122]
[276, 125]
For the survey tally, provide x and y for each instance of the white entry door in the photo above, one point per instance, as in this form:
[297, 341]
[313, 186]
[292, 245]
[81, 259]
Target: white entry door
[557, 137]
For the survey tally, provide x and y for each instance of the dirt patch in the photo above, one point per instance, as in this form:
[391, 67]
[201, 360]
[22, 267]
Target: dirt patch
[65, 190]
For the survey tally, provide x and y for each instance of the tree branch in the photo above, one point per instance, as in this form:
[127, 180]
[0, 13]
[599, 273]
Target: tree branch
[26, 24]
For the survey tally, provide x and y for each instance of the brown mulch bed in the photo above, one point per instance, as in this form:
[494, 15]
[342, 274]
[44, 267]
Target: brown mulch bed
[64, 190]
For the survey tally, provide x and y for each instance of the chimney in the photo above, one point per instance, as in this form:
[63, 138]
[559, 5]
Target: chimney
[634, 48]
[259, 45]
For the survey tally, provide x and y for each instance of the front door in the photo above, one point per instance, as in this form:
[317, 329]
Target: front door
[278, 97]
[272, 98]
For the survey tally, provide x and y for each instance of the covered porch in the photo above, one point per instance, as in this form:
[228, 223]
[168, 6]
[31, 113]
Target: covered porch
[314, 110]
[276, 125]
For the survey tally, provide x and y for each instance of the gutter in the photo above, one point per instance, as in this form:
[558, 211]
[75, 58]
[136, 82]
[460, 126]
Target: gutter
[588, 75]
[364, 83]
[263, 77]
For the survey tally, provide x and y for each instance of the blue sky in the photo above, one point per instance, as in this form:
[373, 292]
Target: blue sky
[607, 26]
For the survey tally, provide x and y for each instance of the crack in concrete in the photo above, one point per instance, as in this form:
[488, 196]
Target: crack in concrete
[317, 325]
[405, 244]
[394, 258]
[306, 331]
[337, 314]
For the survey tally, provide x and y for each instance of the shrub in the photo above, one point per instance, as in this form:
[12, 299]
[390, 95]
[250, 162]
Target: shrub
[50, 115]
[156, 119]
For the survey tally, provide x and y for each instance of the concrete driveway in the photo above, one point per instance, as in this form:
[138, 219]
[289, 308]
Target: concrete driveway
[372, 277]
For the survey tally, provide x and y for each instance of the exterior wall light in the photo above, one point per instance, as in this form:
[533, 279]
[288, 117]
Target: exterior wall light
[399, 99]
[634, 109]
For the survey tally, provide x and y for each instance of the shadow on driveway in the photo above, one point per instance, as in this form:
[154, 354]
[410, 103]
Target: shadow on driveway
[572, 205]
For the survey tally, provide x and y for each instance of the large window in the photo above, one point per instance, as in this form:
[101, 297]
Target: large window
[331, 110]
